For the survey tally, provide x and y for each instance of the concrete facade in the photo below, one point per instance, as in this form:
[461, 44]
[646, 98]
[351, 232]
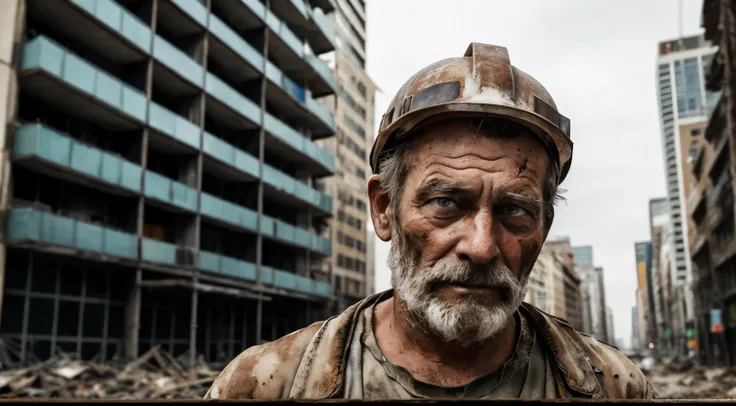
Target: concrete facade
[353, 268]
[713, 250]
[164, 174]
[684, 106]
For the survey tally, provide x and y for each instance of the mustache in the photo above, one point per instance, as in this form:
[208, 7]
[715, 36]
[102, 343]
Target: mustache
[465, 273]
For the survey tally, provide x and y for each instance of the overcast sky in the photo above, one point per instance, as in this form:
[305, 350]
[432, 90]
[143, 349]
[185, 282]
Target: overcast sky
[598, 61]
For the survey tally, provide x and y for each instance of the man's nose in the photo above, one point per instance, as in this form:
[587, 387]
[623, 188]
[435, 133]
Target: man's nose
[478, 244]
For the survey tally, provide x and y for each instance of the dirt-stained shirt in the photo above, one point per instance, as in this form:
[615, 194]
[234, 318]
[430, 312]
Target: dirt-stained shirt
[369, 375]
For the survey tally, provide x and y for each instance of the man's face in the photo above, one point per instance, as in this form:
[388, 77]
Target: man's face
[469, 227]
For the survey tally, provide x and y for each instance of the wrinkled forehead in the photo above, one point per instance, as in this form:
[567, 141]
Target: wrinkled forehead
[481, 143]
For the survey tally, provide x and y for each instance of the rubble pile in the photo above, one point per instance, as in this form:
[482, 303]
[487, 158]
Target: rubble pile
[154, 375]
[689, 381]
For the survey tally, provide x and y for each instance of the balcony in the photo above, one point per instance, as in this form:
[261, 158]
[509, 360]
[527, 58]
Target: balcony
[188, 75]
[227, 161]
[322, 36]
[103, 25]
[78, 88]
[696, 195]
[29, 226]
[294, 12]
[227, 213]
[323, 83]
[164, 253]
[715, 132]
[287, 142]
[285, 47]
[723, 251]
[223, 265]
[235, 56]
[170, 192]
[175, 127]
[286, 189]
[295, 236]
[185, 17]
[44, 150]
[230, 107]
[290, 281]
[284, 36]
[296, 105]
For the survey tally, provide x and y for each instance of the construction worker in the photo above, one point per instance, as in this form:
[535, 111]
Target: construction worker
[466, 165]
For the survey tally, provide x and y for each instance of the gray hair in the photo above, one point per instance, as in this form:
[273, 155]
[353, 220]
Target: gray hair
[395, 163]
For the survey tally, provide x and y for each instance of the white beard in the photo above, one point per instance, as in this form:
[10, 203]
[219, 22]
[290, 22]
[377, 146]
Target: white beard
[465, 320]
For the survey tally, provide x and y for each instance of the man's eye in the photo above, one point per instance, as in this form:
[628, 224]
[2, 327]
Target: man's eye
[514, 211]
[444, 203]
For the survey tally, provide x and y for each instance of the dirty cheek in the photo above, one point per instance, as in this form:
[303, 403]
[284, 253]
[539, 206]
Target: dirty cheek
[529, 252]
[427, 243]
[520, 253]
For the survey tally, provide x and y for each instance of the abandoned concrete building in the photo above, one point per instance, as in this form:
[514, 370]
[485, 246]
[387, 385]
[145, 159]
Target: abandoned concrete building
[160, 176]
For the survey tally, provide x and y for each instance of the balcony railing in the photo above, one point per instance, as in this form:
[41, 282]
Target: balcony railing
[42, 53]
[173, 125]
[227, 266]
[118, 19]
[48, 145]
[236, 43]
[234, 157]
[176, 60]
[27, 224]
[225, 211]
[170, 191]
[230, 97]
[195, 9]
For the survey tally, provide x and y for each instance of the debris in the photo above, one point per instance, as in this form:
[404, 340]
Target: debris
[714, 373]
[688, 381]
[154, 375]
[70, 371]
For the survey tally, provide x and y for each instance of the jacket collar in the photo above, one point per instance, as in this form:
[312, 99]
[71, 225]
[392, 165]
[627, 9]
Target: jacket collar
[329, 347]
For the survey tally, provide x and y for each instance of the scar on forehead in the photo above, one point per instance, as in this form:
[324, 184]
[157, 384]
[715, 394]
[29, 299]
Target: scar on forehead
[522, 167]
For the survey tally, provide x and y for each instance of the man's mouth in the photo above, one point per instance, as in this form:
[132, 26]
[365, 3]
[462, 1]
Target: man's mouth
[465, 288]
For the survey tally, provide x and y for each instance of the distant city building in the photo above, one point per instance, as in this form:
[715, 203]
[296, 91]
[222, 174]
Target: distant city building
[684, 107]
[353, 272]
[636, 342]
[645, 304]
[600, 330]
[540, 288]
[554, 285]
[610, 332]
[711, 203]
[583, 258]
[659, 222]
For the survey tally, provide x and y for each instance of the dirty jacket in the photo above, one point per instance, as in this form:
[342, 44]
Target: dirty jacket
[310, 363]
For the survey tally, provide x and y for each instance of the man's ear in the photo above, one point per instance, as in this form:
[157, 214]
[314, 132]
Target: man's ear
[380, 208]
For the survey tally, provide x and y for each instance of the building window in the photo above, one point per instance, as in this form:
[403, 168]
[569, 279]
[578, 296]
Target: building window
[355, 126]
[695, 132]
[352, 103]
[351, 145]
[360, 173]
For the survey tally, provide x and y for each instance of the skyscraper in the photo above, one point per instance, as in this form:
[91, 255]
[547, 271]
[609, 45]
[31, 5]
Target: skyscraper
[643, 252]
[684, 107]
[583, 258]
[353, 268]
[160, 182]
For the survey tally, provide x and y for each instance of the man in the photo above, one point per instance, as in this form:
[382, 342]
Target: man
[467, 163]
